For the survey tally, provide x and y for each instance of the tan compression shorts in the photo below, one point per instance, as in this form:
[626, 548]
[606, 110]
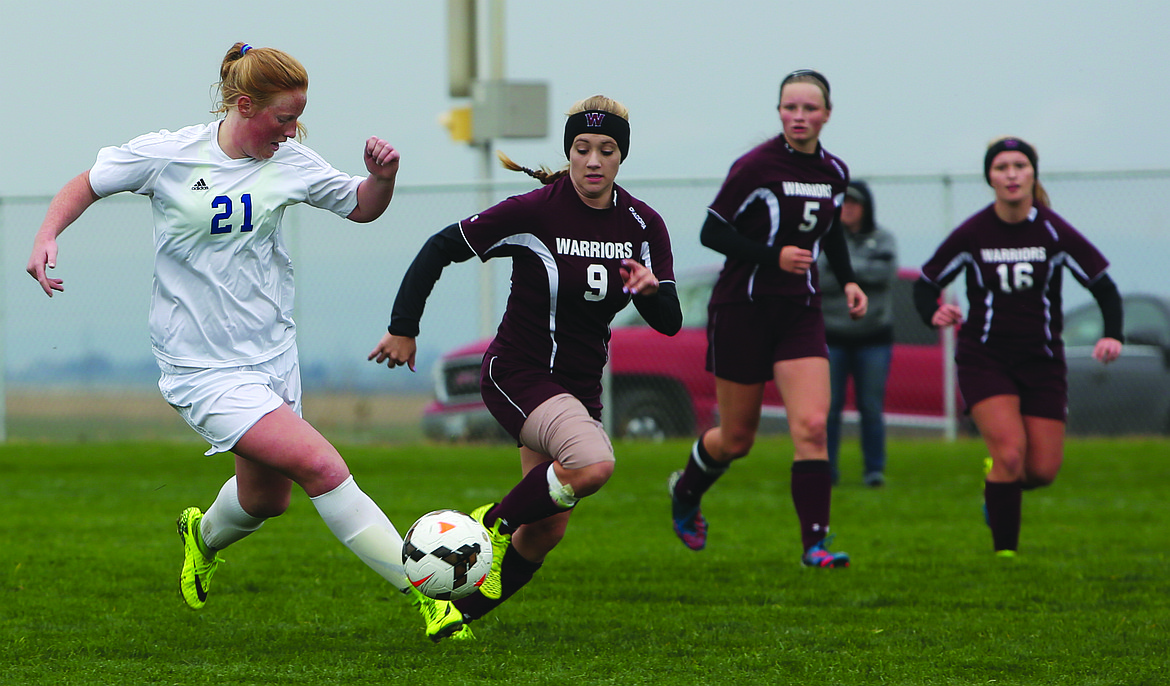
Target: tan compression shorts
[562, 428]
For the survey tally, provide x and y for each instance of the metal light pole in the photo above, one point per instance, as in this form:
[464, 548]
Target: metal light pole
[499, 108]
[487, 273]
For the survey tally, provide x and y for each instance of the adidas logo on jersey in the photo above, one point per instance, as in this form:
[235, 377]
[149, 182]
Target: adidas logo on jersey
[199, 186]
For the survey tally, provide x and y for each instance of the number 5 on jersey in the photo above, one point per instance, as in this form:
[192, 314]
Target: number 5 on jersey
[810, 216]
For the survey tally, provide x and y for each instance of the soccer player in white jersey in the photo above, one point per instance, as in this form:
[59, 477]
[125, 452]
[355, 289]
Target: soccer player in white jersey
[221, 312]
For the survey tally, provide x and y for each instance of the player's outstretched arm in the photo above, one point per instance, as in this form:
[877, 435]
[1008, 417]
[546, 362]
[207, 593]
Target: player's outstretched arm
[69, 203]
[395, 351]
[375, 192]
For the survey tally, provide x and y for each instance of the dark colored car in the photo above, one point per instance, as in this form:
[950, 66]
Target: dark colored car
[658, 385]
[1132, 394]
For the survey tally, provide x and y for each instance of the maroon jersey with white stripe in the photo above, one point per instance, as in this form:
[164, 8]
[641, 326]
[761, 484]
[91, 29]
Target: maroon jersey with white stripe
[566, 283]
[778, 196]
[1014, 276]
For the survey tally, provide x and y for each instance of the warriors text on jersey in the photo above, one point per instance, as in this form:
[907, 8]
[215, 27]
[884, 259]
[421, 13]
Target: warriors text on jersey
[777, 196]
[1014, 276]
[223, 280]
[566, 283]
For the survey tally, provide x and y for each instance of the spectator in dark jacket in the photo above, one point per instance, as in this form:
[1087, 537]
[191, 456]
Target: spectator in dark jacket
[861, 348]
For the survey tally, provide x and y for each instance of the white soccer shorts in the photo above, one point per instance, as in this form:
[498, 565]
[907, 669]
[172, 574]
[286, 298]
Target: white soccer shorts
[221, 404]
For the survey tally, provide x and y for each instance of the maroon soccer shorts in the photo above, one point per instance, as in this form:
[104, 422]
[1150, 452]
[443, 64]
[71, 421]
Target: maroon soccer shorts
[512, 391]
[1041, 382]
[745, 340]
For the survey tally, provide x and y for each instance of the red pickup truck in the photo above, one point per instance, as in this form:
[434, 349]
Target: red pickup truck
[658, 385]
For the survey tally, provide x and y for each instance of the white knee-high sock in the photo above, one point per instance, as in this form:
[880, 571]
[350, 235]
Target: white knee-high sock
[225, 522]
[361, 525]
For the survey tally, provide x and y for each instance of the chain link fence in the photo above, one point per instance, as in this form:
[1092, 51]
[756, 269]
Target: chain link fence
[79, 365]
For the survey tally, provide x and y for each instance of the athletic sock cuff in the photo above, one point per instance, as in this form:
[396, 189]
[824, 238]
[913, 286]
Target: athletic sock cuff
[812, 467]
[513, 560]
[704, 459]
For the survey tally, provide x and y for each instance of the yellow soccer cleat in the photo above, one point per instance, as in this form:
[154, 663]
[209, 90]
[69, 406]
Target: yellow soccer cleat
[492, 586]
[442, 617]
[195, 579]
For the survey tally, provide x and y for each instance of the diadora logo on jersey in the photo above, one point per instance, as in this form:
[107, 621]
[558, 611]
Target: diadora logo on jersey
[594, 119]
[199, 186]
[807, 190]
[600, 249]
[638, 218]
[994, 255]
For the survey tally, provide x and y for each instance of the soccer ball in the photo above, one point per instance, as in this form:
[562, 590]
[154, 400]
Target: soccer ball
[447, 554]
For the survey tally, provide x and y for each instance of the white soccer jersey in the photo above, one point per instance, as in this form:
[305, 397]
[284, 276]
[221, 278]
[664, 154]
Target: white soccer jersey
[223, 279]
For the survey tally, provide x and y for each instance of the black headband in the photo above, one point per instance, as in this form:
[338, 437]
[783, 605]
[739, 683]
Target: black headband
[1003, 146]
[596, 121]
[806, 72]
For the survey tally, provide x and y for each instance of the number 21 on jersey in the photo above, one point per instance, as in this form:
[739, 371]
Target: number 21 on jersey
[219, 223]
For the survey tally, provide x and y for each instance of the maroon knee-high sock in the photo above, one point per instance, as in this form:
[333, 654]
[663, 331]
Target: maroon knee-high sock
[1004, 504]
[812, 492]
[515, 571]
[527, 502]
[700, 473]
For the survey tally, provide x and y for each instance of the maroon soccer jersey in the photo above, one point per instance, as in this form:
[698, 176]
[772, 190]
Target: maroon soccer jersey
[777, 196]
[566, 284]
[1014, 277]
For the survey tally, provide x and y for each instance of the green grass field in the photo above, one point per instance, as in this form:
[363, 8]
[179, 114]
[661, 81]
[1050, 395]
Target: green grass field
[89, 563]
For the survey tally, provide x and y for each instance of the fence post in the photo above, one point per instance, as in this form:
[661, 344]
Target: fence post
[3, 337]
[951, 426]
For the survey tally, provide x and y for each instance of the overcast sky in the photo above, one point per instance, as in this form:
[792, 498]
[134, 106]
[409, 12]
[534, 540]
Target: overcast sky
[917, 87]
